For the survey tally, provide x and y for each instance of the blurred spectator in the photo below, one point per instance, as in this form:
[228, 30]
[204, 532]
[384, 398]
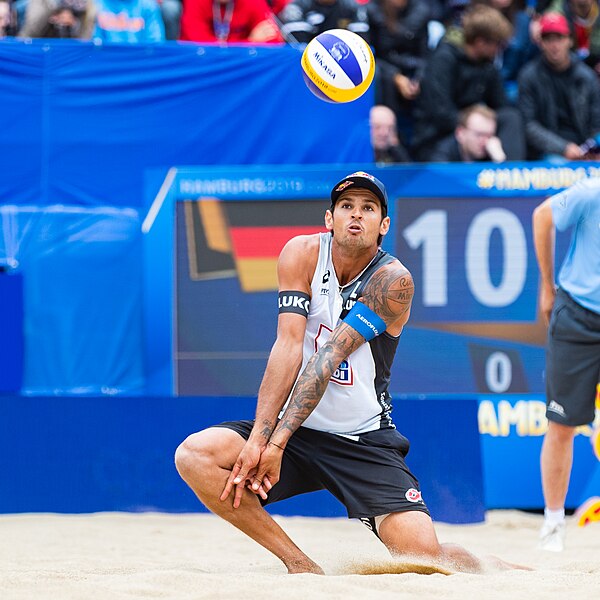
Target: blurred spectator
[304, 19]
[277, 5]
[473, 140]
[398, 30]
[520, 48]
[437, 9]
[384, 136]
[59, 19]
[540, 6]
[584, 25]
[228, 21]
[453, 12]
[559, 96]
[461, 72]
[7, 19]
[170, 11]
[128, 21]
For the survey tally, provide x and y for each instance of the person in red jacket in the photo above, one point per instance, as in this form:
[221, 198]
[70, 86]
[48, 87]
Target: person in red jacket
[228, 21]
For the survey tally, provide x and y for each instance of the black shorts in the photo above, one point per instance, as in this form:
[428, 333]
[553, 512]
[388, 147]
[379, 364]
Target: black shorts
[368, 476]
[572, 362]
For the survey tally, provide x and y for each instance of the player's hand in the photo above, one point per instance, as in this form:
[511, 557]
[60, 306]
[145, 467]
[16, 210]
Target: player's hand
[573, 152]
[408, 88]
[265, 31]
[269, 467]
[242, 474]
[495, 150]
[547, 297]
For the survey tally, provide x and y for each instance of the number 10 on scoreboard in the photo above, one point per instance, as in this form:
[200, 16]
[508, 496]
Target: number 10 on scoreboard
[472, 260]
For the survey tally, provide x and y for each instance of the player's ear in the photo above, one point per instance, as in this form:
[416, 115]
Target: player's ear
[385, 226]
[329, 220]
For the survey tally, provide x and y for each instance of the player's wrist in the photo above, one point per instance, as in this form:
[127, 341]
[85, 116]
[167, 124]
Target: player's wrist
[259, 441]
[277, 445]
[261, 432]
[548, 286]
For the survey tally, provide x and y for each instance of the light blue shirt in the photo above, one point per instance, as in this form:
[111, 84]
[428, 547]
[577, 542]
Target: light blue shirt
[128, 21]
[579, 207]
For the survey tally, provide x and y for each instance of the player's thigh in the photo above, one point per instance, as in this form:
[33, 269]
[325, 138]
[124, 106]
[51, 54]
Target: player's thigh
[409, 532]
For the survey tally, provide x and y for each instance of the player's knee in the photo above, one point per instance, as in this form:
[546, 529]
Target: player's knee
[416, 547]
[559, 432]
[192, 455]
[183, 458]
[410, 533]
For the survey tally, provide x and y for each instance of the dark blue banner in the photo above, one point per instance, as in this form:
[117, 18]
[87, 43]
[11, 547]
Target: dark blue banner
[465, 235]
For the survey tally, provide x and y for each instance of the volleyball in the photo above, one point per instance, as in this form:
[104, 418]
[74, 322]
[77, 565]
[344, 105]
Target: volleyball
[338, 66]
[596, 442]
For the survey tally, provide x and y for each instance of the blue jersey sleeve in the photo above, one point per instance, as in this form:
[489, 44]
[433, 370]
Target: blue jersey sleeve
[573, 204]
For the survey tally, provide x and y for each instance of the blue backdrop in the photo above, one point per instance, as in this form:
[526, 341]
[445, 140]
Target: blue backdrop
[11, 327]
[82, 122]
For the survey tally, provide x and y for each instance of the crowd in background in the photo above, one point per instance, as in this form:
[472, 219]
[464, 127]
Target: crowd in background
[456, 80]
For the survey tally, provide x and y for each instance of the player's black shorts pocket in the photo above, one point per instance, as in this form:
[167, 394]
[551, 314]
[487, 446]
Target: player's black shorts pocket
[555, 327]
[386, 438]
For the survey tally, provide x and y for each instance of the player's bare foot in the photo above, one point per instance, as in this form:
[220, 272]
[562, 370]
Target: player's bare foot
[304, 566]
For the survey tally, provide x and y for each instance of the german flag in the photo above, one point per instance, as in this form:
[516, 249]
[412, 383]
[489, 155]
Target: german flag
[244, 239]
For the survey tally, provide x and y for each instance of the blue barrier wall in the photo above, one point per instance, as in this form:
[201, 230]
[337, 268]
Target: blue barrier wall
[512, 427]
[11, 331]
[77, 455]
[78, 301]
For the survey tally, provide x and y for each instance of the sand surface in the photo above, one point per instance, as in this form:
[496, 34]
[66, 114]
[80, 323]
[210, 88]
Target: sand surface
[120, 555]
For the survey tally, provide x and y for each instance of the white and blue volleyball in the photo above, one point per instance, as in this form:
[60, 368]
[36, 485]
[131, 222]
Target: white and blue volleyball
[338, 66]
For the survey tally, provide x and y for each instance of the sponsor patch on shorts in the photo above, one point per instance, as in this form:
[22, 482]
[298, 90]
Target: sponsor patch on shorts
[554, 406]
[413, 495]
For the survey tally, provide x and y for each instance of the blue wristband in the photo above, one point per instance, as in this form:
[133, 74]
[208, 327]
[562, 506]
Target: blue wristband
[365, 321]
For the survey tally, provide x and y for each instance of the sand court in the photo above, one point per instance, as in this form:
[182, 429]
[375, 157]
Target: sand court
[197, 556]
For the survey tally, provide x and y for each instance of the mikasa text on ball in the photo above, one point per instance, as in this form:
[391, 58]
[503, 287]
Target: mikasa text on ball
[338, 66]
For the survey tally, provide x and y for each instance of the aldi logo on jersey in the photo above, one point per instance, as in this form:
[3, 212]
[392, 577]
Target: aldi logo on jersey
[344, 374]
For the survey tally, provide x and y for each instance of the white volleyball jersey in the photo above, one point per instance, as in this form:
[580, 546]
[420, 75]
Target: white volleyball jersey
[356, 399]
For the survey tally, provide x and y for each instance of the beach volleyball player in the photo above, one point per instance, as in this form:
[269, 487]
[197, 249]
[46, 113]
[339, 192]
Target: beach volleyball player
[342, 305]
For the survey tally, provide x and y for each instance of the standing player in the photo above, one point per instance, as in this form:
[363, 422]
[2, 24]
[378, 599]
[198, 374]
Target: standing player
[573, 352]
[342, 305]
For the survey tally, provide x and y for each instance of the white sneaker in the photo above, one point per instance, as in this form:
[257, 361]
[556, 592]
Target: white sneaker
[552, 537]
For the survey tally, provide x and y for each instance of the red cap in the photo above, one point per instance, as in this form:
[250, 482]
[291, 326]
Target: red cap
[554, 23]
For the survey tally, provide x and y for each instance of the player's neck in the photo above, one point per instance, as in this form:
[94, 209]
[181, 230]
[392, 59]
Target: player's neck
[349, 264]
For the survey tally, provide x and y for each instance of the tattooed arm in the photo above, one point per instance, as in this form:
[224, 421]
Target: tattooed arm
[295, 269]
[389, 294]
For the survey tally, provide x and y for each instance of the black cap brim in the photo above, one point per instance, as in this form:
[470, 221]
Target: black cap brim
[361, 180]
